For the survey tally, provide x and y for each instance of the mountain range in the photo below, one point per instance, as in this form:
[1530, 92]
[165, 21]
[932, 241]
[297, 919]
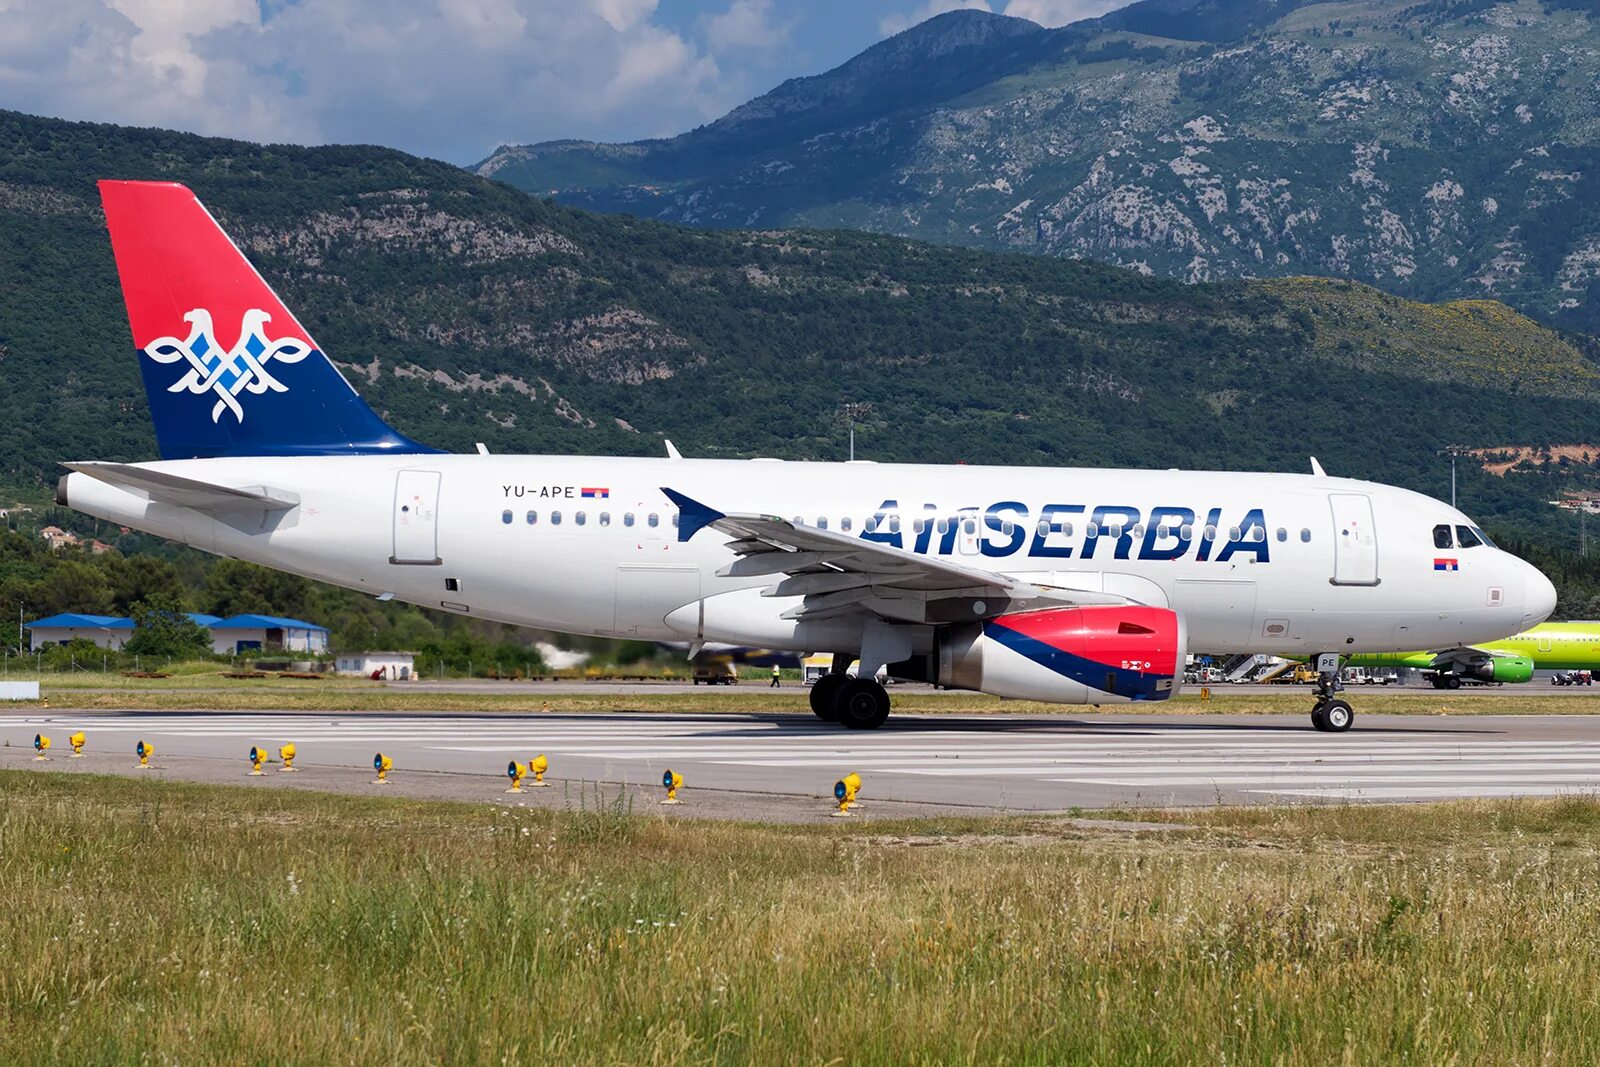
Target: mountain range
[467, 312]
[1439, 149]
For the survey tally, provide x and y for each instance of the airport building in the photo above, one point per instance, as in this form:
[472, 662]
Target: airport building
[392, 666]
[229, 637]
[104, 630]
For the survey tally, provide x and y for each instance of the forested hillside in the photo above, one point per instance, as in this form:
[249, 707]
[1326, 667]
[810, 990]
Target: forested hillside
[1437, 148]
[468, 311]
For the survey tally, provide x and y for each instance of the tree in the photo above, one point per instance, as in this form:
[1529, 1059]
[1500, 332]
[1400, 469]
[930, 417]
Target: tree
[136, 578]
[72, 585]
[234, 587]
[162, 629]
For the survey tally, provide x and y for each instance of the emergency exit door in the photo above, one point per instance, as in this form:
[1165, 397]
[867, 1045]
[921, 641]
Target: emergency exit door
[1355, 540]
[416, 518]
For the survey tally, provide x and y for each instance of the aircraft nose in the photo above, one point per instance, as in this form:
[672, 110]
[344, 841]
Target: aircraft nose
[1538, 596]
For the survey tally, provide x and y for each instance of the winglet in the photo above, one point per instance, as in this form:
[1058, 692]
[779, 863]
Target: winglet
[693, 516]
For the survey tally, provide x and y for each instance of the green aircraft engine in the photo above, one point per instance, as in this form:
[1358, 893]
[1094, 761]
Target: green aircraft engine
[1503, 669]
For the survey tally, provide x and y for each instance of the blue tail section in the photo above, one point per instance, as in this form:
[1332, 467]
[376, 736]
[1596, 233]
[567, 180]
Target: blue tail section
[227, 369]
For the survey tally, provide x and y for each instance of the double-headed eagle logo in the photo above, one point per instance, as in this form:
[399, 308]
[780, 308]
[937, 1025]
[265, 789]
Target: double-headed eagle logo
[227, 374]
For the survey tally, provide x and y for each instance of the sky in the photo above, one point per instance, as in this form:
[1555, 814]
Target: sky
[451, 79]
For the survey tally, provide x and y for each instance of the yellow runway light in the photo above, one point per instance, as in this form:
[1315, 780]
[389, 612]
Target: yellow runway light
[381, 764]
[258, 756]
[538, 765]
[41, 745]
[515, 771]
[844, 791]
[286, 753]
[144, 750]
[76, 741]
[672, 780]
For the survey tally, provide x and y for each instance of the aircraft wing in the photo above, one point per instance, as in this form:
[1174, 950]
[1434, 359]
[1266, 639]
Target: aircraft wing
[842, 575]
[1463, 657]
[187, 492]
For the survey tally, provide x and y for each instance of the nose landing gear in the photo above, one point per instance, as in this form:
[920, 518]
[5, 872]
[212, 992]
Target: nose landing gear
[1331, 714]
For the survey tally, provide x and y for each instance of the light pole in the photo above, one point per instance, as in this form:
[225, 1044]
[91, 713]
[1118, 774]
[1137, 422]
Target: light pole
[1453, 451]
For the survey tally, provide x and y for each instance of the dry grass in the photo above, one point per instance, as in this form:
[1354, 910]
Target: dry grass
[185, 923]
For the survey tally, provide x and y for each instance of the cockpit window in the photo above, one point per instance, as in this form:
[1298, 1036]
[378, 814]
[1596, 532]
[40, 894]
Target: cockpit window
[1467, 538]
[1441, 537]
[1483, 537]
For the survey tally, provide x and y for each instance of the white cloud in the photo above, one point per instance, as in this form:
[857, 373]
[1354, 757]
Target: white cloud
[442, 77]
[1061, 12]
[890, 25]
[746, 24]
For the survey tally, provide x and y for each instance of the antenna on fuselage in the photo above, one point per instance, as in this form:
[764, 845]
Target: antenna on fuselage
[672, 450]
[1316, 468]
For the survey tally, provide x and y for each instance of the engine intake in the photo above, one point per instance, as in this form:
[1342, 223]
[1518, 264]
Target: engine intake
[1087, 655]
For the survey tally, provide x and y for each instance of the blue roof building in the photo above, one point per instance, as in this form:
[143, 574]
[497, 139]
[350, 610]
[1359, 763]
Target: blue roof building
[107, 631]
[245, 633]
[230, 636]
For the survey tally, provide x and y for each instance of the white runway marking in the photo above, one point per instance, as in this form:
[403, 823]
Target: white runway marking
[1113, 758]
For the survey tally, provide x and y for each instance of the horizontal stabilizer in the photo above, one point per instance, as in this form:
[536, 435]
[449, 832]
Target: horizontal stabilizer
[187, 492]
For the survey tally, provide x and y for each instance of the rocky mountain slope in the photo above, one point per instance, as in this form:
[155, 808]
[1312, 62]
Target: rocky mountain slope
[1436, 148]
[467, 311]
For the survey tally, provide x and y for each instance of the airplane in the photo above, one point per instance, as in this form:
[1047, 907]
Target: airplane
[1071, 586]
[1549, 646]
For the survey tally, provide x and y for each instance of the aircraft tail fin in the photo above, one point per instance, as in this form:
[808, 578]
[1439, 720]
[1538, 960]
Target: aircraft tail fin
[227, 368]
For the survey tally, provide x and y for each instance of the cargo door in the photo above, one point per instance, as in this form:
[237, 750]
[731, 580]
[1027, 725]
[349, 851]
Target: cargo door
[646, 595]
[416, 518]
[1355, 540]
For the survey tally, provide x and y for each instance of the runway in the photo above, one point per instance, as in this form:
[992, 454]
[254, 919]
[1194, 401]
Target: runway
[757, 764]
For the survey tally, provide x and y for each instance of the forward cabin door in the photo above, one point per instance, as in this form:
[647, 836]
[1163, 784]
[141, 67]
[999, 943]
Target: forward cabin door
[416, 518]
[1355, 540]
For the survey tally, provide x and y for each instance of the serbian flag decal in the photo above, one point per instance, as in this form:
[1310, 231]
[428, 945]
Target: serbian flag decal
[1445, 564]
[591, 493]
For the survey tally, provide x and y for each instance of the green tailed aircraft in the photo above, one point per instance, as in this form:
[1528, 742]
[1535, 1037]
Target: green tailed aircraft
[1561, 646]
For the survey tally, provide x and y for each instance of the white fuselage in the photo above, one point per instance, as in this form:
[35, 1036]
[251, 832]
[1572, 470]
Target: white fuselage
[1277, 563]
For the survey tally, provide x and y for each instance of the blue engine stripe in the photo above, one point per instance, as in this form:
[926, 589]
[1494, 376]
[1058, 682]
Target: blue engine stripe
[1133, 685]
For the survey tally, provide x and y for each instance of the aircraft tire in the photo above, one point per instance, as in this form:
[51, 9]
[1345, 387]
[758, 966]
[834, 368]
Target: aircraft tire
[822, 696]
[1318, 720]
[1337, 716]
[1453, 682]
[861, 704]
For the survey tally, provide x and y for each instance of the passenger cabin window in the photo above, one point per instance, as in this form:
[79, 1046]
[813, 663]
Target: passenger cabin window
[1210, 533]
[555, 518]
[533, 518]
[894, 524]
[844, 524]
[605, 518]
[1305, 535]
[505, 517]
[1441, 537]
[1283, 535]
[1186, 531]
[580, 517]
[627, 518]
[653, 521]
[1466, 537]
[822, 523]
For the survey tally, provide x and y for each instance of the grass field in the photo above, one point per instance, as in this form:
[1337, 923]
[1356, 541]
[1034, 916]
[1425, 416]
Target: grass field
[212, 691]
[177, 923]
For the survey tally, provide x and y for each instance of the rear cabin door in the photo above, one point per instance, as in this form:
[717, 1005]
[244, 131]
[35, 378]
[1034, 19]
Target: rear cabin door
[416, 518]
[1355, 540]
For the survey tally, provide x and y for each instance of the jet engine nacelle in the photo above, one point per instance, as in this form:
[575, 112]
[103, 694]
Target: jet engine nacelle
[1502, 669]
[1087, 655]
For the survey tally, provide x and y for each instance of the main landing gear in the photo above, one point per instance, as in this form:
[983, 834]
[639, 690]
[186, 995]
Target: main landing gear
[859, 703]
[1331, 714]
